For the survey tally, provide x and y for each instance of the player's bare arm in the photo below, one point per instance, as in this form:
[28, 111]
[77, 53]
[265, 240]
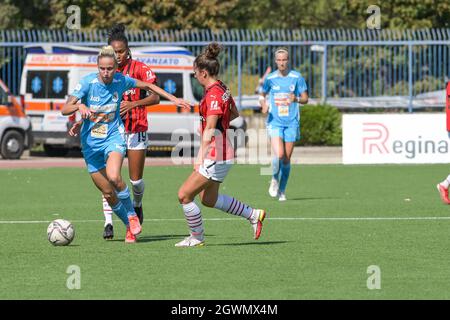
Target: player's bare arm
[71, 106]
[151, 100]
[208, 134]
[303, 99]
[151, 87]
[263, 103]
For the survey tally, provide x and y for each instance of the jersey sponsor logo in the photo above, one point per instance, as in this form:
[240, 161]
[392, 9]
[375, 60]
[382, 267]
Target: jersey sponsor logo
[276, 87]
[214, 105]
[116, 81]
[131, 91]
[105, 108]
[95, 99]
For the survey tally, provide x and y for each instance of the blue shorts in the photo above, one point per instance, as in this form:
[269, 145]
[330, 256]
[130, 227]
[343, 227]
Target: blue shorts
[287, 134]
[96, 159]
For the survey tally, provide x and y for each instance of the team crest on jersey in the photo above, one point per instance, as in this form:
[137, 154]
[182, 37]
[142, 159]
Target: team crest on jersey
[115, 97]
[292, 87]
[226, 95]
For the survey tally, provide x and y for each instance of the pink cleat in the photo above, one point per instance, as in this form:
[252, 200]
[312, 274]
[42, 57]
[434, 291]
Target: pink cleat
[444, 193]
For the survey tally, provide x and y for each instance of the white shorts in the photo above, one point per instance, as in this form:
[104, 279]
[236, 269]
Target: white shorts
[136, 141]
[215, 171]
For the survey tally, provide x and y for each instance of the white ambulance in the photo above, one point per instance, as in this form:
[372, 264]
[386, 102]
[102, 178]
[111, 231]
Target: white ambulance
[15, 127]
[52, 71]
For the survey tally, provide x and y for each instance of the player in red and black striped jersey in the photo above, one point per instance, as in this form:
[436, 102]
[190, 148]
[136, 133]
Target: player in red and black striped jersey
[217, 109]
[133, 110]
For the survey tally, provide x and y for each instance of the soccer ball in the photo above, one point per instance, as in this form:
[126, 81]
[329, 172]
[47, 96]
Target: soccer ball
[60, 232]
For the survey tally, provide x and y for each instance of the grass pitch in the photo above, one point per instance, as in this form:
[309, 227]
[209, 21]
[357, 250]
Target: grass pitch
[393, 218]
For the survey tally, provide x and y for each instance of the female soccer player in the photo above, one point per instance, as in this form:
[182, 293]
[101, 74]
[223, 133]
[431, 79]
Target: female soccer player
[286, 89]
[216, 154]
[102, 132]
[134, 116]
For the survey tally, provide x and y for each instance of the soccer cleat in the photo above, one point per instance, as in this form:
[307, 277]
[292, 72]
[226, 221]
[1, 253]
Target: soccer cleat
[273, 189]
[140, 214]
[135, 226]
[130, 237]
[282, 197]
[256, 221]
[108, 234]
[443, 193]
[191, 241]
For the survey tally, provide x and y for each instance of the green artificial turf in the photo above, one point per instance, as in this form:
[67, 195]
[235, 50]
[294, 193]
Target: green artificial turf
[306, 250]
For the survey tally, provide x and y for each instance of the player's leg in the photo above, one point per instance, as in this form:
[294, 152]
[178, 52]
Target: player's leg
[211, 198]
[113, 172]
[137, 150]
[102, 183]
[443, 190]
[291, 135]
[193, 185]
[108, 232]
[276, 142]
[96, 164]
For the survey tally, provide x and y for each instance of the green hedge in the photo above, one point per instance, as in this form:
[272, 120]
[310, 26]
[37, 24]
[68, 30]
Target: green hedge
[320, 125]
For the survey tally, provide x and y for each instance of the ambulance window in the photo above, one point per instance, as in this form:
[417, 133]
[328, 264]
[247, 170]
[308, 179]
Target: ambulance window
[47, 84]
[197, 88]
[36, 83]
[57, 84]
[172, 83]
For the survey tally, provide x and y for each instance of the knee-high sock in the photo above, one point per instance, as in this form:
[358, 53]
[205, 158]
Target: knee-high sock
[124, 197]
[138, 187]
[120, 210]
[107, 211]
[285, 171]
[233, 206]
[276, 168]
[194, 220]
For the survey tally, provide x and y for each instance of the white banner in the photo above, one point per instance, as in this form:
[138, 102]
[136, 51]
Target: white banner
[395, 138]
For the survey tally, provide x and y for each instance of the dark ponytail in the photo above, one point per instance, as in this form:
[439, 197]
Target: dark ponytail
[117, 33]
[207, 60]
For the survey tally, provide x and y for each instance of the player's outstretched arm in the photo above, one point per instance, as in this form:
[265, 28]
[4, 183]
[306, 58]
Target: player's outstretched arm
[71, 106]
[263, 103]
[162, 93]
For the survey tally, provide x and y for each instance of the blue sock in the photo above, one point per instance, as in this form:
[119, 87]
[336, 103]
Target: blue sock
[285, 170]
[276, 168]
[124, 197]
[121, 212]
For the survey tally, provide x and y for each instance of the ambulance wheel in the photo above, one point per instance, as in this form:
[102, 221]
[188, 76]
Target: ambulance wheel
[12, 145]
[55, 151]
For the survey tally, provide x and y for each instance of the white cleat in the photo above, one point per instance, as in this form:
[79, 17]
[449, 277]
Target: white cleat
[282, 197]
[273, 189]
[191, 241]
[256, 221]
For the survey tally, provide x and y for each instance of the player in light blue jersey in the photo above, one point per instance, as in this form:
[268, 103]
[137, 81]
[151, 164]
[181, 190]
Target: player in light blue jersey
[286, 89]
[102, 132]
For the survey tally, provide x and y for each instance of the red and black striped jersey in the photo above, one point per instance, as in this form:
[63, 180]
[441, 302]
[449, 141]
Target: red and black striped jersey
[136, 119]
[217, 100]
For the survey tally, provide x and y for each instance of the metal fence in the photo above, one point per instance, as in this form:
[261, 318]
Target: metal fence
[346, 68]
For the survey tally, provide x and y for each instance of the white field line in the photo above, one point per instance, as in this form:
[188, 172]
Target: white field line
[237, 219]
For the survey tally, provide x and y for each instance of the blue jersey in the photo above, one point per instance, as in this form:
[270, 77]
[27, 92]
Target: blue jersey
[103, 100]
[282, 113]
